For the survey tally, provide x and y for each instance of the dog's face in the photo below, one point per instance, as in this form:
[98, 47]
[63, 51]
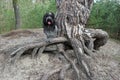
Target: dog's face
[49, 19]
[49, 26]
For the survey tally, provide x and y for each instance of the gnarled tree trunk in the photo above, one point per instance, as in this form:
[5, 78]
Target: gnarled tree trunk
[71, 18]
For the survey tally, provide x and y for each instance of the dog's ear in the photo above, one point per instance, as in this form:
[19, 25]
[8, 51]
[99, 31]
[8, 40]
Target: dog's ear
[52, 15]
[44, 18]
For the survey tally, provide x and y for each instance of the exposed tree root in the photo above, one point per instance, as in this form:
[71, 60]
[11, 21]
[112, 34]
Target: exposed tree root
[38, 48]
[80, 60]
[79, 64]
[34, 52]
[16, 54]
[40, 51]
[79, 54]
[73, 64]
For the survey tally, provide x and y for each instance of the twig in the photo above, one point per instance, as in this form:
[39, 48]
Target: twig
[48, 74]
[63, 71]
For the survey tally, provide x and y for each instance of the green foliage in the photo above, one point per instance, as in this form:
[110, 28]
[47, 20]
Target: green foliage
[31, 13]
[106, 15]
[6, 17]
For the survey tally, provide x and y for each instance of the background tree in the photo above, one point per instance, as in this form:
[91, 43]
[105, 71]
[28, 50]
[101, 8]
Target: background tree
[17, 14]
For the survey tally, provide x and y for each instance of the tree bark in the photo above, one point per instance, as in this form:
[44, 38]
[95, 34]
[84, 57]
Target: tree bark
[71, 18]
[17, 14]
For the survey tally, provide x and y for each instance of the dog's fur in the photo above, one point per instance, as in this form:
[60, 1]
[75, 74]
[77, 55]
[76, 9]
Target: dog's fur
[49, 25]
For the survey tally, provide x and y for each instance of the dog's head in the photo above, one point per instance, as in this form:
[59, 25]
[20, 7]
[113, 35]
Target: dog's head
[49, 19]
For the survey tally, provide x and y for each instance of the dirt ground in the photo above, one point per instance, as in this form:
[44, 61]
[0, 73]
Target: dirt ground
[106, 61]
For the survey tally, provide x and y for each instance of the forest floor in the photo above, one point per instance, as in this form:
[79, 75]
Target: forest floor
[106, 60]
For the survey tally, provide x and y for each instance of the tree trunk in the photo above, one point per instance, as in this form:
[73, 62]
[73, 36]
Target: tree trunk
[71, 18]
[17, 14]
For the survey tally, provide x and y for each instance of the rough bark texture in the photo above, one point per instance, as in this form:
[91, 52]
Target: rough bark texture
[71, 18]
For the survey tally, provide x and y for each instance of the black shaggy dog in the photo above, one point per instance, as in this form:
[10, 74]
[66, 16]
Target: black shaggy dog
[49, 26]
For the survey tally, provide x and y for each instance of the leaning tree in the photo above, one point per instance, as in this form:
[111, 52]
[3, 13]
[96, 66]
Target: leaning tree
[71, 18]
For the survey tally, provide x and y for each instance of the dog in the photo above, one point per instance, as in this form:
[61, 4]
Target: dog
[49, 25]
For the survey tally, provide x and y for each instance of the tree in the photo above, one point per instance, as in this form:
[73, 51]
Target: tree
[17, 14]
[71, 18]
